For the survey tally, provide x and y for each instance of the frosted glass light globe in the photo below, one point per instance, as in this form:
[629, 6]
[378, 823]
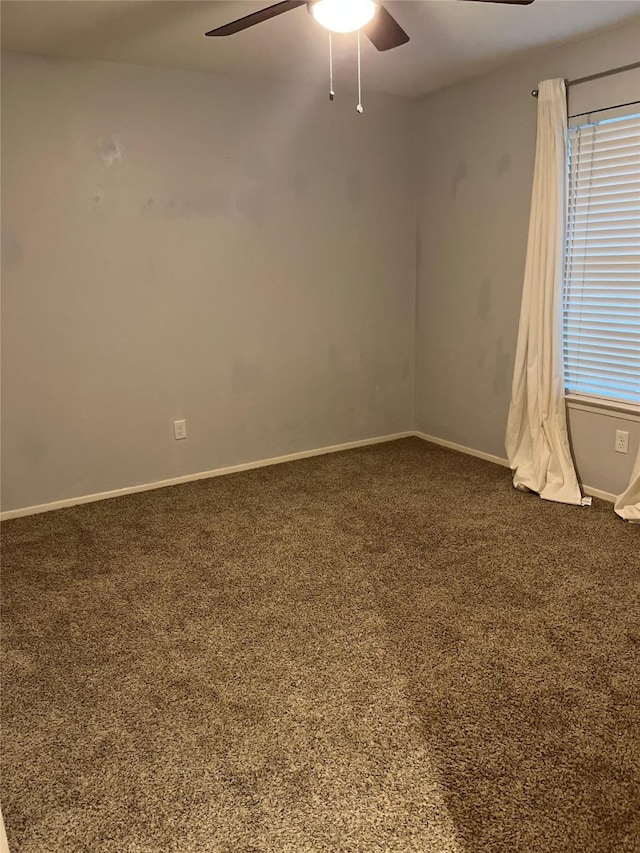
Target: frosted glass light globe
[343, 16]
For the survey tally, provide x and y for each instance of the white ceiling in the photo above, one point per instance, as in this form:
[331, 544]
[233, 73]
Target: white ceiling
[450, 40]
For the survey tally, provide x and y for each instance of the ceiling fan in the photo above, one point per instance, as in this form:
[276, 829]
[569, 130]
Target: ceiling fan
[343, 16]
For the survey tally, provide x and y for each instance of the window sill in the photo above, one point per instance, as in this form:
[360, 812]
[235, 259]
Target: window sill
[608, 408]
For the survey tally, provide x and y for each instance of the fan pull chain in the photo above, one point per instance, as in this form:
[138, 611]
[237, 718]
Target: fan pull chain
[359, 108]
[331, 92]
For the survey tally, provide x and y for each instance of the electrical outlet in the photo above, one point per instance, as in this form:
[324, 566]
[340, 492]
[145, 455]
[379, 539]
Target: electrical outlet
[179, 429]
[622, 441]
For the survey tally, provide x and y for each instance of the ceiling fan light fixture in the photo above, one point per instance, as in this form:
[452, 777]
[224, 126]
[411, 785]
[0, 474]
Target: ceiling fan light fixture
[343, 16]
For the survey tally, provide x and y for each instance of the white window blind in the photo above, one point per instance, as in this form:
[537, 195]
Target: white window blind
[601, 305]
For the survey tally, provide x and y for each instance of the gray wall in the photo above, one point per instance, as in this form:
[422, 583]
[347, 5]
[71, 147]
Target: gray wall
[184, 245]
[475, 159]
[243, 255]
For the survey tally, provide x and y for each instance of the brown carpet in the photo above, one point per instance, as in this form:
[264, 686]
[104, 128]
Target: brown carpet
[388, 649]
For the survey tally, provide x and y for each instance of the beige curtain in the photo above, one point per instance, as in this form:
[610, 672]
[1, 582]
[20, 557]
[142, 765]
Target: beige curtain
[628, 504]
[4, 846]
[537, 441]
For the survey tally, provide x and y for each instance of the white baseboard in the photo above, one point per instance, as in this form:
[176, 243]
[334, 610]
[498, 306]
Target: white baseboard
[276, 460]
[201, 475]
[598, 493]
[480, 454]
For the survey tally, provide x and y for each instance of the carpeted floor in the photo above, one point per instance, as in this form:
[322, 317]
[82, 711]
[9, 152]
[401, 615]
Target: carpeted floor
[388, 649]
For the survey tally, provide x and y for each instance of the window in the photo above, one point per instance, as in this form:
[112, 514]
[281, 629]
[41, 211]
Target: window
[601, 304]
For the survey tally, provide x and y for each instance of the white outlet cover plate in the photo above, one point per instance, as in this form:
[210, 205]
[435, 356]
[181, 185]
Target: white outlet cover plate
[622, 441]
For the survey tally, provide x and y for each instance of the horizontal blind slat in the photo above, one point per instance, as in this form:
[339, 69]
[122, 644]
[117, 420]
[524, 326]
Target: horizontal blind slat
[630, 203]
[576, 350]
[577, 289]
[607, 148]
[601, 133]
[612, 167]
[615, 229]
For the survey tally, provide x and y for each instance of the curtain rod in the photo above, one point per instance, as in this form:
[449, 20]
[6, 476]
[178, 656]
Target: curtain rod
[596, 76]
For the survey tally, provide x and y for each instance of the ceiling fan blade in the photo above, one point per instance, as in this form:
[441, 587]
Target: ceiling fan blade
[510, 2]
[384, 32]
[256, 18]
